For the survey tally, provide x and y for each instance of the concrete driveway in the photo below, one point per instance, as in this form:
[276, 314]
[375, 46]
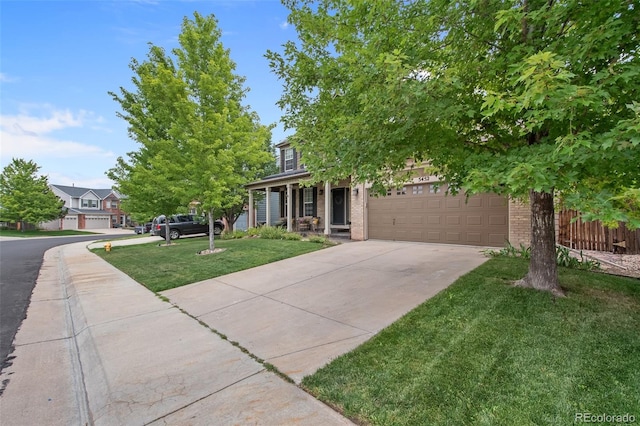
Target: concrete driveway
[98, 348]
[300, 313]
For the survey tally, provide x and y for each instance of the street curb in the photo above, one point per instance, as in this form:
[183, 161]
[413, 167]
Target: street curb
[71, 304]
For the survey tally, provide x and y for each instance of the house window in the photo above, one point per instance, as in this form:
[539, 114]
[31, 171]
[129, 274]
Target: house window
[114, 204]
[308, 201]
[417, 190]
[288, 159]
[90, 204]
[401, 191]
[433, 188]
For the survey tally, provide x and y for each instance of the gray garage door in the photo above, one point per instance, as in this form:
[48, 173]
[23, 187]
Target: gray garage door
[420, 212]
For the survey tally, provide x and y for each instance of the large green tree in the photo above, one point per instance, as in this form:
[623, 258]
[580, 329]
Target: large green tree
[534, 99]
[199, 143]
[151, 178]
[26, 197]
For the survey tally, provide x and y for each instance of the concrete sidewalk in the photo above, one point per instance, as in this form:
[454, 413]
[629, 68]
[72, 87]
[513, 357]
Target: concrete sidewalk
[98, 348]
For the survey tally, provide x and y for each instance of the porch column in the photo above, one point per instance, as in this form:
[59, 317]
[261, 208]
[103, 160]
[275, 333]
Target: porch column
[267, 191]
[327, 208]
[289, 209]
[250, 223]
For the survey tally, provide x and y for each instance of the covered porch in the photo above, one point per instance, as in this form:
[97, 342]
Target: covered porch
[322, 209]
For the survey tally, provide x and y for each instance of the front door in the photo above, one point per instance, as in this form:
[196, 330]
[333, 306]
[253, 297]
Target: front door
[340, 206]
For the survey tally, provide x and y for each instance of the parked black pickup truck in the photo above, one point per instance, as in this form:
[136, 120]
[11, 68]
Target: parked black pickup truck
[184, 224]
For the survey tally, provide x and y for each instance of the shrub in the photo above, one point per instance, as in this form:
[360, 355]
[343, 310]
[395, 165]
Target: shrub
[318, 239]
[563, 256]
[253, 232]
[272, 233]
[234, 235]
[291, 236]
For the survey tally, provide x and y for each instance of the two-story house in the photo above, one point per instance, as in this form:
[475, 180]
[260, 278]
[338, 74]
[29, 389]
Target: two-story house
[419, 210]
[324, 207]
[88, 208]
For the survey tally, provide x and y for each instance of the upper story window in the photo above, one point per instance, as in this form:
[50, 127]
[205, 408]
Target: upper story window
[288, 159]
[89, 204]
[114, 204]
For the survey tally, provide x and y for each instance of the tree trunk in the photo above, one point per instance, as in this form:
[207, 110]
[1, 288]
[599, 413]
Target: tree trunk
[167, 237]
[543, 270]
[212, 244]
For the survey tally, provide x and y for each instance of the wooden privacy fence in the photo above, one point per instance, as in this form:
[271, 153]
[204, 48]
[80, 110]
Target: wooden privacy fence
[594, 236]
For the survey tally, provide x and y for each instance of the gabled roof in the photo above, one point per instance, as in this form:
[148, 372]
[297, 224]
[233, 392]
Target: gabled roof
[283, 143]
[78, 192]
[102, 193]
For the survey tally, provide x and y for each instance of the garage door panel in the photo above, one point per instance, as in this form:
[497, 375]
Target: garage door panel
[416, 220]
[381, 233]
[453, 203]
[454, 237]
[401, 206]
[453, 220]
[497, 239]
[474, 220]
[417, 205]
[401, 220]
[434, 237]
[433, 220]
[474, 238]
[434, 204]
[435, 217]
[475, 202]
[497, 201]
[498, 220]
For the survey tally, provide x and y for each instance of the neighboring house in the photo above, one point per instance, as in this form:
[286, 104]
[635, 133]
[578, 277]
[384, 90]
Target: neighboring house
[88, 208]
[418, 211]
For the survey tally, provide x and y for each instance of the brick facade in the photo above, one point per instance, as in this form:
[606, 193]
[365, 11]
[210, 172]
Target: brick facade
[519, 223]
[358, 205]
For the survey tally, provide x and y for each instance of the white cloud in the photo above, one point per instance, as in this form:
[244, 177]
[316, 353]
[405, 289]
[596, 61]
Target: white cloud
[29, 145]
[5, 78]
[25, 123]
[284, 25]
[26, 135]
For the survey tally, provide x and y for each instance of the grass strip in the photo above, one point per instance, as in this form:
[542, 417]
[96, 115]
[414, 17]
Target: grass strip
[159, 267]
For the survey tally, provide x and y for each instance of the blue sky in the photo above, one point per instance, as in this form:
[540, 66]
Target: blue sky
[58, 60]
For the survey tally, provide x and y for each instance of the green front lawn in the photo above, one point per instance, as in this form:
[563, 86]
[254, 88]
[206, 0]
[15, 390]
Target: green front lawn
[41, 233]
[485, 353]
[159, 267]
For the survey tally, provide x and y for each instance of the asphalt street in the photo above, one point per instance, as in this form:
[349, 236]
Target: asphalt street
[20, 262]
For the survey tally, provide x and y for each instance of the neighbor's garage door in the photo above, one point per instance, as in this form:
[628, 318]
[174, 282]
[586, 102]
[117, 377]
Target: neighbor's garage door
[70, 222]
[420, 213]
[96, 222]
